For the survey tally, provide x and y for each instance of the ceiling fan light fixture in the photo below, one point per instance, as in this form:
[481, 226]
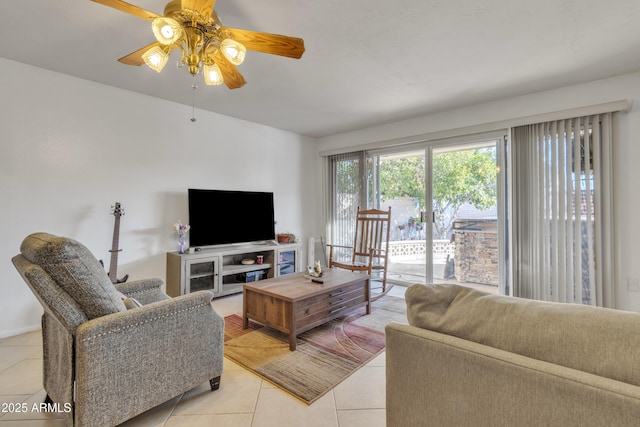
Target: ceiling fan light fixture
[233, 51]
[166, 30]
[194, 28]
[212, 75]
[156, 58]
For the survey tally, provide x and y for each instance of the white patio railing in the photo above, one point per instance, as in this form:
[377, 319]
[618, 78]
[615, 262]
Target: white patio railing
[405, 249]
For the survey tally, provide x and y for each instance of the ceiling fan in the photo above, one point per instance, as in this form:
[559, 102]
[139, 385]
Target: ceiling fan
[193, 27]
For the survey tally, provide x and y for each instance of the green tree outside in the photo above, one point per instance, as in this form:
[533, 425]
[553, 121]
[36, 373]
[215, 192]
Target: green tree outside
[459, 177]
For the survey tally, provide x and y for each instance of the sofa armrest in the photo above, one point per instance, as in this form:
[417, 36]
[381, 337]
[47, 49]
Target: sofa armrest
[146, 356]
[447, 381]
[145, 291]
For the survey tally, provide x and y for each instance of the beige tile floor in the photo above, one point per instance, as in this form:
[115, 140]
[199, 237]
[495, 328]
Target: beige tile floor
[243, 400]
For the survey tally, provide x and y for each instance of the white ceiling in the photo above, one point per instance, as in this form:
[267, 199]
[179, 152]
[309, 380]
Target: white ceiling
[366, 61]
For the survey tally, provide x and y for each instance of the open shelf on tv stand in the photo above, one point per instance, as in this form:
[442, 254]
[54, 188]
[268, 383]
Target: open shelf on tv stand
[220, 269]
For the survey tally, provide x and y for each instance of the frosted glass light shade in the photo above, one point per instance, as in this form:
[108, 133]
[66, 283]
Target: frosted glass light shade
[212, 75]
[233, 51]
[156, 58]
[166, 30]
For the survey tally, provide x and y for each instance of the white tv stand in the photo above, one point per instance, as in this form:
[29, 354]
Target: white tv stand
[220, 269]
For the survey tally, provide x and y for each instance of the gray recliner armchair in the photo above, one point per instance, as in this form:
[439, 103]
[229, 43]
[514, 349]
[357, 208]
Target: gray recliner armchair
[111, 363]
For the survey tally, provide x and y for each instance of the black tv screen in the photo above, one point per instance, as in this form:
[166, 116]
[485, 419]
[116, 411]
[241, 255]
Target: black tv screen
[219, 217]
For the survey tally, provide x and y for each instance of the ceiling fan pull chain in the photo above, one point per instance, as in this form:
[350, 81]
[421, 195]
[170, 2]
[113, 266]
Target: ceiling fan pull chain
[193, 91]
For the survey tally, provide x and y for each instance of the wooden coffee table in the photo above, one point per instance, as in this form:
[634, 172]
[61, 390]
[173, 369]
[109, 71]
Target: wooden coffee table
[293, 304]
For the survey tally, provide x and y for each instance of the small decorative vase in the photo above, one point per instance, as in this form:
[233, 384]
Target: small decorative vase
[180, 244]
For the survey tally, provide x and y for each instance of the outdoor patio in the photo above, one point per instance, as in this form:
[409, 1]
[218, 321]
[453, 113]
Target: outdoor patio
[407, 264]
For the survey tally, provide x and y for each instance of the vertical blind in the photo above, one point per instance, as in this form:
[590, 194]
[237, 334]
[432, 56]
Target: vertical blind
[347, 191]
[562, 220]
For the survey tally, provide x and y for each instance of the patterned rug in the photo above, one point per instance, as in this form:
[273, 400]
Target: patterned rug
[324, 356]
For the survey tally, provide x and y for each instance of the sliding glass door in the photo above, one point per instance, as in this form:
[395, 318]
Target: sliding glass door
[397, 179]
[447, 222]
[448, 209]
[466, 206]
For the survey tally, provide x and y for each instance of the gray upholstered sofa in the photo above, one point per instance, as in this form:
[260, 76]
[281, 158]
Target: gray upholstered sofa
[468, 358]
[106, 362]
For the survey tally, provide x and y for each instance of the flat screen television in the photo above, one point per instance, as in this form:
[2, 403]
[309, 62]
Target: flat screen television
[222, 217]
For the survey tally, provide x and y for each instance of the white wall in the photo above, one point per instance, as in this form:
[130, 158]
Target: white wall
[70, 148]
[626, 161]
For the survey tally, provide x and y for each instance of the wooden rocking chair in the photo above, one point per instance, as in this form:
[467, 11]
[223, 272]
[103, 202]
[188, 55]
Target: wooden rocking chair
[370, 246]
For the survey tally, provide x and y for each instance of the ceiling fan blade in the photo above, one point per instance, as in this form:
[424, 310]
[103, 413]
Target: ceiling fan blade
[204, 7]
[274, 44]
[135, 58]
[232, 77]
[129, 8]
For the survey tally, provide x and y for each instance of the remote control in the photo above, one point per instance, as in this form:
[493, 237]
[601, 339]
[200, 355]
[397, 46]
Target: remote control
[317, 280]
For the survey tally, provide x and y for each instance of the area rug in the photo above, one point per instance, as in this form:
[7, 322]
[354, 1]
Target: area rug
[324, 356]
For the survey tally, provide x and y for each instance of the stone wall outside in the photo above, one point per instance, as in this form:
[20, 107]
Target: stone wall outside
[476, 252]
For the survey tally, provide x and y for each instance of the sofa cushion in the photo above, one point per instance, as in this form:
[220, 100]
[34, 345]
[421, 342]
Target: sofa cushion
[72, 266]
[601, 341]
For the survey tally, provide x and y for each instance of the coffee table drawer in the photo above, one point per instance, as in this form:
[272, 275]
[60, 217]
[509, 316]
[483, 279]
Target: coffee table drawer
[328, 300]
[332, 304]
